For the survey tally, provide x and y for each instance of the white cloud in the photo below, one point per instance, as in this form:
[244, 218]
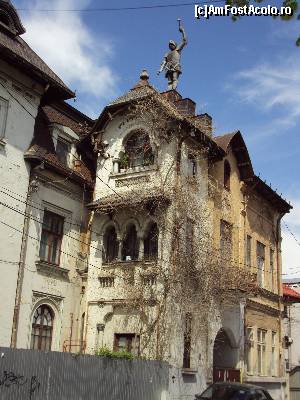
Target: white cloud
[272, 87]
[290, 244]
[64, 41]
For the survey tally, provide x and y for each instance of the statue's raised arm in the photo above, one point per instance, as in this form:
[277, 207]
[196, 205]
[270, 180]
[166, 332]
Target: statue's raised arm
[171, 61]
[184, 38]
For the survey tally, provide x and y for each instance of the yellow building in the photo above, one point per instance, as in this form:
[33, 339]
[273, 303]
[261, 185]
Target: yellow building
[247, 213]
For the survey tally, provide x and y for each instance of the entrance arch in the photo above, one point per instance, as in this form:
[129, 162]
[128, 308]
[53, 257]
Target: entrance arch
[225, 359]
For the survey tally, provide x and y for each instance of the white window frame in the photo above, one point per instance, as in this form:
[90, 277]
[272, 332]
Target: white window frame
[4, 103]
[261, 351]
[250, 343]
[274, 353]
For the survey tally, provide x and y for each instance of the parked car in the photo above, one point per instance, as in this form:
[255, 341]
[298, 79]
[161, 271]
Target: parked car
[233, 391]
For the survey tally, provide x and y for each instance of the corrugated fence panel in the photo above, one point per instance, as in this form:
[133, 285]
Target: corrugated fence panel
[34, 375]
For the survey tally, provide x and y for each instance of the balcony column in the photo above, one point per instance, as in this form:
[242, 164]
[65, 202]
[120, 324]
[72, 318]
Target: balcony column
[119, 249]
[141, 247]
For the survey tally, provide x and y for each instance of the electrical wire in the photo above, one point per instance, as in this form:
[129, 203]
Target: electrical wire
[133, 8]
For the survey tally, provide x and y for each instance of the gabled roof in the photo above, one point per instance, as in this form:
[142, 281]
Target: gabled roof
[64, 114]
[236, 143]
[239, 148]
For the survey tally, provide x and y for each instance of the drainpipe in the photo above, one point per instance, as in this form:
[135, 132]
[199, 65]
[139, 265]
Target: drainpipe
[279, 288]
[32, 187]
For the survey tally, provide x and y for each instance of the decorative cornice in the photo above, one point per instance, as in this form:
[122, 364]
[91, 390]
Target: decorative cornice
[253, 305]
[57, 300]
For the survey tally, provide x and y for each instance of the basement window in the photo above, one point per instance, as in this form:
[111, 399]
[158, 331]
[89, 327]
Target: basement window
[129, 342]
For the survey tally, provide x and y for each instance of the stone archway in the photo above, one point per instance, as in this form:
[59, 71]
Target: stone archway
[225, 359]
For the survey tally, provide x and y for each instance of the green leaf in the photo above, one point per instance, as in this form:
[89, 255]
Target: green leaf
[298, 41]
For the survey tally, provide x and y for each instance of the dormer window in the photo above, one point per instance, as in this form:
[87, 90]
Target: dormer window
[63, 151]
[138, 151]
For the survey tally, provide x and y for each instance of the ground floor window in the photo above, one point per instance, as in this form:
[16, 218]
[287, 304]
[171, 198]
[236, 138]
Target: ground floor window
[42, 328]
[261, 351]
[127, 342]
[250, 349]
[273, 355]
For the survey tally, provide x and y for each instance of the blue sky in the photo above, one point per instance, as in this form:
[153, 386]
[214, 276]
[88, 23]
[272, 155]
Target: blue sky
[245, 74]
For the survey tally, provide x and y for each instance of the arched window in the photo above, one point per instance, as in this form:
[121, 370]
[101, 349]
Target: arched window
[110, 245]
[151, 243]
[130, 250]
[227, 172]
[42, 328]
[138, 151]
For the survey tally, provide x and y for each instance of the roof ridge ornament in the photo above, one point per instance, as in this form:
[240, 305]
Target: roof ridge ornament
[144, 80]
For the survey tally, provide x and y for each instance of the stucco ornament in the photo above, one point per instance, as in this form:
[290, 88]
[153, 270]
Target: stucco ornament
[99, 145]
[171, 61]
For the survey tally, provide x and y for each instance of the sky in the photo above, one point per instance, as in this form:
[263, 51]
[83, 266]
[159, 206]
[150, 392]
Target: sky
[245, 74]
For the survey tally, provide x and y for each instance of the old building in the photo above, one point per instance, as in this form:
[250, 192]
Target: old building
[151, 180]
[46, 177]
[247, 214]
[141, 232]
[291, 300]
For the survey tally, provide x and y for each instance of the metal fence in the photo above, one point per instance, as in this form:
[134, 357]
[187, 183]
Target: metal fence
[34, 375]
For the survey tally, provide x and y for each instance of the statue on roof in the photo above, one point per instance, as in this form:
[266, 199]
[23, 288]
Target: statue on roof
[171, 61]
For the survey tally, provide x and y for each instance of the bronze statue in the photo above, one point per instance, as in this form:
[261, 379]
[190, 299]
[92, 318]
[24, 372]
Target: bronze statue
[171, 62]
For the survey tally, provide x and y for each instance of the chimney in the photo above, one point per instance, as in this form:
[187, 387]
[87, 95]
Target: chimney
[204, 123]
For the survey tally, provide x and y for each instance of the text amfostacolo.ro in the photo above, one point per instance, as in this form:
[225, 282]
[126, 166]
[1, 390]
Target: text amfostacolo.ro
[209, 10]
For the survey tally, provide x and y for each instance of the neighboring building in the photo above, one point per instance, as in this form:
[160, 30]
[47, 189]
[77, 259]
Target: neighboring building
[291, 301]
[46, 177]
[252, 211]
[291, 315]
[295, 383]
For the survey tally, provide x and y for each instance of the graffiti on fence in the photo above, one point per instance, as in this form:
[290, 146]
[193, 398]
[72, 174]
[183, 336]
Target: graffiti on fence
[9, 379]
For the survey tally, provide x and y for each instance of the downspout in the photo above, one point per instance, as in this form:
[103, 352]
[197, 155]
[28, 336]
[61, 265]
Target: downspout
[279, 289]
[32, 187]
